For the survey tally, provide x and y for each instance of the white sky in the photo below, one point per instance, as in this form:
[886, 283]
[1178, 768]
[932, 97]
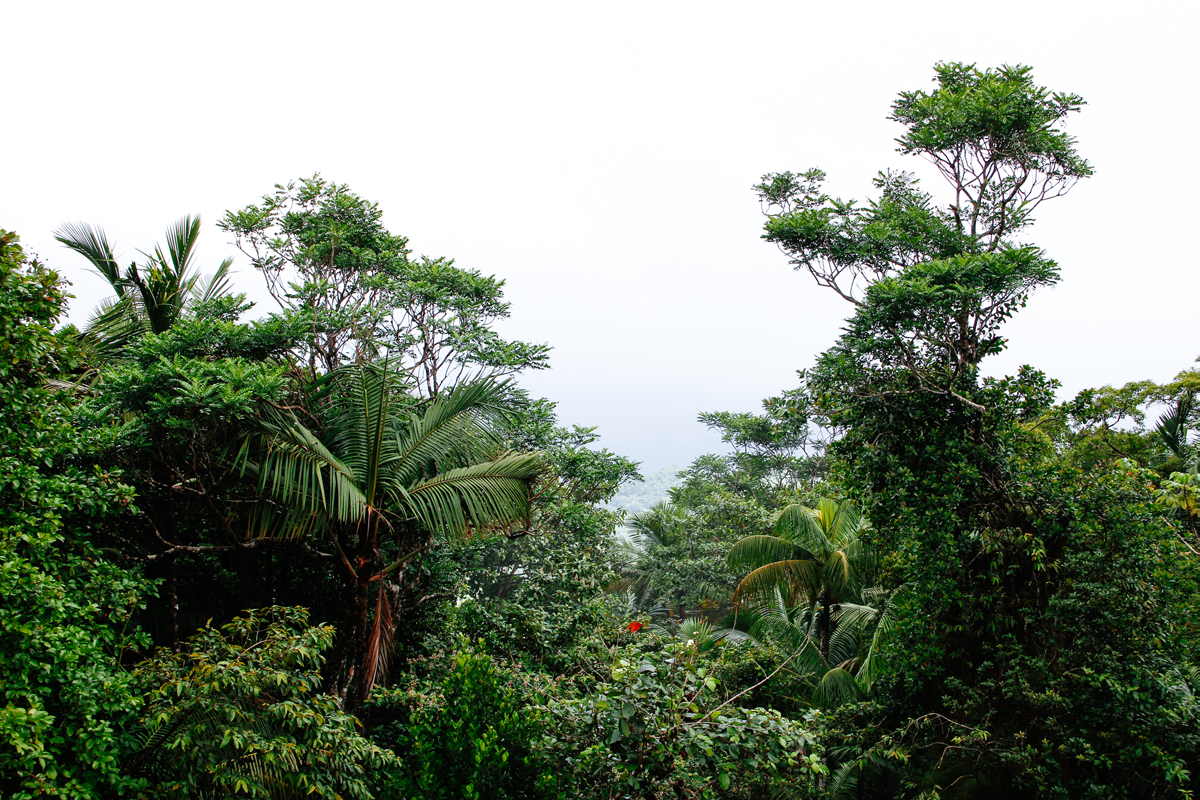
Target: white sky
[599, 156]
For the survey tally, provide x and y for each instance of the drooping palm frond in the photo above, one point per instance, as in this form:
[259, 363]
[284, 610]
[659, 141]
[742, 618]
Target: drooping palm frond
[114, 324]
[837, 686]
[306, 487]
[461, 427]
[92, 243]
[756, 551]
[850, 778]
[379, 642]
[796, 578]
[845, 643]
[465, 502]
[793, 635]
[885, 622]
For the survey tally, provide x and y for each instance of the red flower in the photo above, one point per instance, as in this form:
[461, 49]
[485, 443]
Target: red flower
[634, 627]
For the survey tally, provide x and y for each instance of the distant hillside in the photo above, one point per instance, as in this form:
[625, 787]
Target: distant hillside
[637, 497]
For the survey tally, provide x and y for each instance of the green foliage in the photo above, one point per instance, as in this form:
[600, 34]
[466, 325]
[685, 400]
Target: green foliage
[775, 456]
[150, 298]
[171, 409]
[534, 596]
[996, 138]
[330, 263]
[1110, 423]
[239, 713]
[810, 588]
[653, 726]
[674, 564]
[1033, 653]
[470, 736]
[993, 134]
[64, 698]
[386, 479]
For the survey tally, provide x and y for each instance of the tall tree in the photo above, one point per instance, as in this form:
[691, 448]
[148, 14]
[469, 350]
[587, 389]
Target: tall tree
[329, 261]
[1030, 619]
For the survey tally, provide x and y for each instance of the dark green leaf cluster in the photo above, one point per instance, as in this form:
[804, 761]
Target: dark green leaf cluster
[654, 725]
[239, 713]
[64, 699]
[470, 735]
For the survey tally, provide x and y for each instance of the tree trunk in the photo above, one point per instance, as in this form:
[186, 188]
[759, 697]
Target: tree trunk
[357, 695]
[823, 625]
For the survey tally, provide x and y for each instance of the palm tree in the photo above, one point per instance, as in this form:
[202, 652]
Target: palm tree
[847, 670]
[150, 298]
[808, 585]
[384, 480]
[814, 557]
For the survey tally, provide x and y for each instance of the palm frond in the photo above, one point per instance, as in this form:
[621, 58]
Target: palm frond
[757, 551]
[458, 428]
[794, 577]
[379, 643]
[472, 501]
[839, 574]
[92, 243]
[218, 284]
[661, 524]
[182, 237]
[305, 482]
[837, 686]
[115, 324]
[845, 779]
[841, 522]
[801, 526]
[871, 667]
[851, 622]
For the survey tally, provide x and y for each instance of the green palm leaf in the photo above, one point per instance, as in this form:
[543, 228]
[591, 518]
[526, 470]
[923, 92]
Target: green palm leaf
[467, 501]
[92, 243]
[795, 577]
[837, 686]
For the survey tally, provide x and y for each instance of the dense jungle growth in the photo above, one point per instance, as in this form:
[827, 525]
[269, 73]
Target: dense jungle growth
[336, 549]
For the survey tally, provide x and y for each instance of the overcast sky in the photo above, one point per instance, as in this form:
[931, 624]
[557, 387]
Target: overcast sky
[599, 158]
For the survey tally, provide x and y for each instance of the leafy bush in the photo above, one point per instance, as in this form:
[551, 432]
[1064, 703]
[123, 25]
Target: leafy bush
[63, 696]
[239, 713]
[468, 736]
[655, 726]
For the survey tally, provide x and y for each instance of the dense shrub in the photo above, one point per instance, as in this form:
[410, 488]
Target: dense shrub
[468, 735]
[239, 713]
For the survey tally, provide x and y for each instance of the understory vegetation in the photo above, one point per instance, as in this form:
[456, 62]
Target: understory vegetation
[334, 549]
